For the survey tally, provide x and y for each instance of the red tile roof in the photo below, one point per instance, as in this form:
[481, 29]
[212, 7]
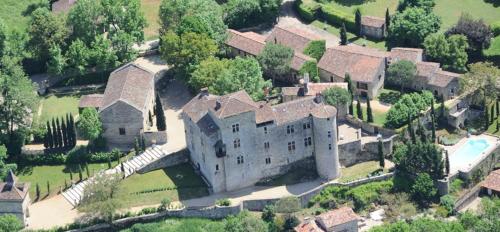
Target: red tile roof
[372, 21]
[294, 38]
[130, 84]
[91, 100]
[312, 89]
[492, 181]
[443, 78]
[337, 217]
[248, 42]
[361, 63]
[410, 54]
[11, 190]
[62, 6]
[308, 226]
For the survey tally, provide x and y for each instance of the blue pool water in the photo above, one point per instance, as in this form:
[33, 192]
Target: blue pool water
[468, 152]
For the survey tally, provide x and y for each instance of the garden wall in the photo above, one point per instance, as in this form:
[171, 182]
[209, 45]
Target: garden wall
[372, 129]
[169, 160]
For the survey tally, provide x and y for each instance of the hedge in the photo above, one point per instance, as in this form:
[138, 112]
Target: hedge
[495, 28]
[307, 11]
[337, 17]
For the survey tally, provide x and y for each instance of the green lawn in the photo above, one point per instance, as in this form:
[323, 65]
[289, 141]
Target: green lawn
[372, 8]
[450, 11]
[11, 12]
[151, 9]
[177, 183]
[351, 37]
[493, 128]
[58, 106]
[55, 175]
[358, 171]
[494, 49]
[179, 225]
[378, 116]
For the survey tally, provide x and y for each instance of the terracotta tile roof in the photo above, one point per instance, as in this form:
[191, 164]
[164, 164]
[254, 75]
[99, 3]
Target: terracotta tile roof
[427, 69]
[298, 60]
[294, 38]
[492, 181]
[312, 89]
[248, 42]
[240, 102]
[443, 78]
[130, 84]
[11, 190]
[91, 100]
[411, 54]
[337, 217]
[309, 226]
[62, 6]
[361, 64]
[372, 21]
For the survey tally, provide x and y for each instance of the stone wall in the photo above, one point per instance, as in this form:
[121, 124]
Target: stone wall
[168, 160]
[350, 152]
[373, 32]
[486, 165]
[372, 147]
[467, 198]
[155, 137]
[372, 129]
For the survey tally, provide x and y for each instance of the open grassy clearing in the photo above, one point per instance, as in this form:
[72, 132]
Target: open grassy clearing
[12, 12]
[494, 49]
[180, 225]
[151, 9]
[378, 116]
[177, 183]
[450, 11]
[358, 171]
[372, 8]
[55, 175]
[57, 106]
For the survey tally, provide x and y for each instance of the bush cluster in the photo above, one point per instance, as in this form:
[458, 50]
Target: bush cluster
[307, 11]
[495, 28]
[338, 17]
[409, 105]
[223, 202]
[77, 155]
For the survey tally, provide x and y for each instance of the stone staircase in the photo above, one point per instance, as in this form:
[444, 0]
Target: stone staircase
[74, 194]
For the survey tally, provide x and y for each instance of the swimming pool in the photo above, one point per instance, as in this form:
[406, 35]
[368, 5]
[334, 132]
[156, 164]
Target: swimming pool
[468, 152]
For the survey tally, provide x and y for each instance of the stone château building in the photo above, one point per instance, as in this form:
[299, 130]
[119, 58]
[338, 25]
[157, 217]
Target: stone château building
[235, 142]
[14, 197]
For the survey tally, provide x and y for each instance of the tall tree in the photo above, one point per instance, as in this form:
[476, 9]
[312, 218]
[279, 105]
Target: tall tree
[57, 63]
[337, 96]
[447, 163]
[99, 197]
[160, 115]
[126, 16]
[85, 18]
[102, 54]
[3, 37]
[351, 90]
[59, 133]
[64, 131]
[78, 55]
[90, 126]
[45, 30]
[50, 137]
[477, 32]
[54, 133]
[343, 35]
[357, 20]
[411, 131]
[483, 77]
[410, 27]
[369, 113]
[387, 18]
[423, 189]
[424, 4]
[275, 59]
[401, 73]
[380, 150]
[359, 110]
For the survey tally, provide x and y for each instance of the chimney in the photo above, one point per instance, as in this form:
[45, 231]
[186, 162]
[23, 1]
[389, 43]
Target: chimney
[318, 99]
[217, 105]
[306, 83]
[204, 92]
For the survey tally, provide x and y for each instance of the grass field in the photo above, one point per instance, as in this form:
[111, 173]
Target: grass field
[494, 49]
[372, 8]
[151, 9]
[180, 225]
[450, 11]
[177, 183]
[55, 175]
[57, 106]
[11, 12]
[358, 171]
[378, 116]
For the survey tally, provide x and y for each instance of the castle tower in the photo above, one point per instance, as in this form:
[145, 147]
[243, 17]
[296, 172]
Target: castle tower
[325, 140]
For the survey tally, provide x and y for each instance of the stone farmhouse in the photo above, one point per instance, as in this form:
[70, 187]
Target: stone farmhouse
[251, 44]
[366, 66]
[126, 108]
[338, 220]
[14, 197]
[373, 27]
[429, 74]
[235, 142]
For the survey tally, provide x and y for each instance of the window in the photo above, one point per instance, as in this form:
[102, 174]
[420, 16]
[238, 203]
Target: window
[216, 167]
[330, 146]
[307, 141]
[236, 127]
[239, 159]
[268, 160]
[266, 145]
[291, 146]
[122, 131]
[265, 130]
[362, 85]
[306, 125]
[329, 134]
[290, 129]
[236, 143]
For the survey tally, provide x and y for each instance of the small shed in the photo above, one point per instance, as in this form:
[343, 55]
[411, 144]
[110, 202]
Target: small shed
[373, 27]
[90, 101]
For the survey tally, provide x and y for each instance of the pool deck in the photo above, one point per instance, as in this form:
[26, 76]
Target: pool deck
[492, 140]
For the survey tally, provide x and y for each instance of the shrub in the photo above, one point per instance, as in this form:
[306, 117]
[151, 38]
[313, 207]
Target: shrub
[336, 17]
[495, 28]
[315, 49]
[45, 159]
[448, 203]
[223, 202]
[268, 213]
[456, 185]
[409, 104]
[307, 11]
[311, 68]
[365, 194]
[287, 205]
[148, 210]
[165, 203]
[389, 97]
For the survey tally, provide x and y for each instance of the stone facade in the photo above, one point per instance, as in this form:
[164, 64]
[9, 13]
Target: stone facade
[235, 142]
[373, 27]
[14, 197]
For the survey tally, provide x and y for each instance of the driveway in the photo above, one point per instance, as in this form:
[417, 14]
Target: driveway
[52, 212]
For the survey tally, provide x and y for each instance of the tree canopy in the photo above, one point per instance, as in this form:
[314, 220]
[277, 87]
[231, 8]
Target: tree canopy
[276, 59]
[9, 222]
[484, 77]
[411, 26]
[336, 96]
[99, 196]
[315, 49]
[450, 52]
[408, 106]
[478, 33]
[401, 73]
[90, 125]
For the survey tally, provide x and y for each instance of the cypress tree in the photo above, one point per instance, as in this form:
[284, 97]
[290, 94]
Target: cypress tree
[37, 190]
[486, 116]
[122, 167]
[387, 18]
[381, 160]
[411, 131]
[73, 130]
[421, 132]
[498, 108]
[498, 124]
[492, 113]
[68, 131]
[87, 170]
[433, 112]
[351, 90]
[71, 176]
[59, 134]
[49, 138]
[442, 107]
[54, 133]
[447, 164]
[64, 131]
[109, 162]
[80, 175]
[137, 148]
[343, 35]
[433, 129]
[143, 143]
[150, 118]
[48, 188]
[369, 113]
[160, 115]
[357, 20]
[65, 184]
[359, 109]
